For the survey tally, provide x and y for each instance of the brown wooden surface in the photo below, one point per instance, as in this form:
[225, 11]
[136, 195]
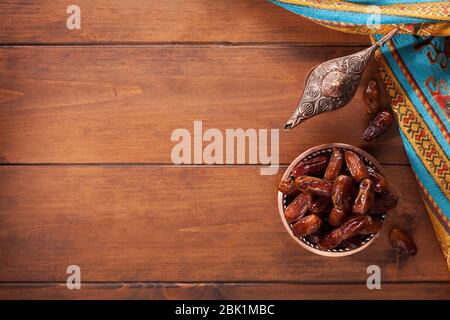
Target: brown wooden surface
[171, 223]
[98, 105]
[234, 291]
[144, 21]
[86, 176]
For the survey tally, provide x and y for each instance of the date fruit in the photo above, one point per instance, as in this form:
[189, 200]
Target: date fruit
[288, 187]
[365, 197]
[377, 126]
[337, 217]
[384, 203]
[334, 167]
[320, 205]
[311, 167]
[307, 225]
[298, 207]
[374, 227]
[338, 198]
[349, 229]
[380, 183]
[356, 166]
[371, 97]
[353, 242]
[314, 185]
[342, 191]
[402, 243]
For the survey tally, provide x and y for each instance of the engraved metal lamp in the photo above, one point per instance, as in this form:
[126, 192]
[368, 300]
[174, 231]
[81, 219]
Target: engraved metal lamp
[332, 84]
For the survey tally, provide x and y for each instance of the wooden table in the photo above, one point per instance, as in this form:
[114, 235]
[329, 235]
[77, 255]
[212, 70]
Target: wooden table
[87, 179]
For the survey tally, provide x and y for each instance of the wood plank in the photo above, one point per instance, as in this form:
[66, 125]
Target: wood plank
[147, 21]
[182, 224]
[121, 104]
[229, 291]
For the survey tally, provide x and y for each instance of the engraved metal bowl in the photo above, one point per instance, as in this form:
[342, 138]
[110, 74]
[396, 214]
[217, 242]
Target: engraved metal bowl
[339, 251]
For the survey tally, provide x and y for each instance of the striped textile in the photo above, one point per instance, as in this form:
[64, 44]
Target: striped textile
[415, 68]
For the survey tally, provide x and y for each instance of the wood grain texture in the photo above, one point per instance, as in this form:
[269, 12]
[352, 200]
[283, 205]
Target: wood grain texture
[147, 21]
[121, 104]
[90, 113]
[230, 291]
[182, 224]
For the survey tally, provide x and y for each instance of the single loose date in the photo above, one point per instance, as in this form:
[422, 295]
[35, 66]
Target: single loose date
[377, 126]
[371, 97]
[402, 243]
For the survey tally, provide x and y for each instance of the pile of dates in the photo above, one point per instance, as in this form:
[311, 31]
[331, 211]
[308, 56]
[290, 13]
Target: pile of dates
[337, 200]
